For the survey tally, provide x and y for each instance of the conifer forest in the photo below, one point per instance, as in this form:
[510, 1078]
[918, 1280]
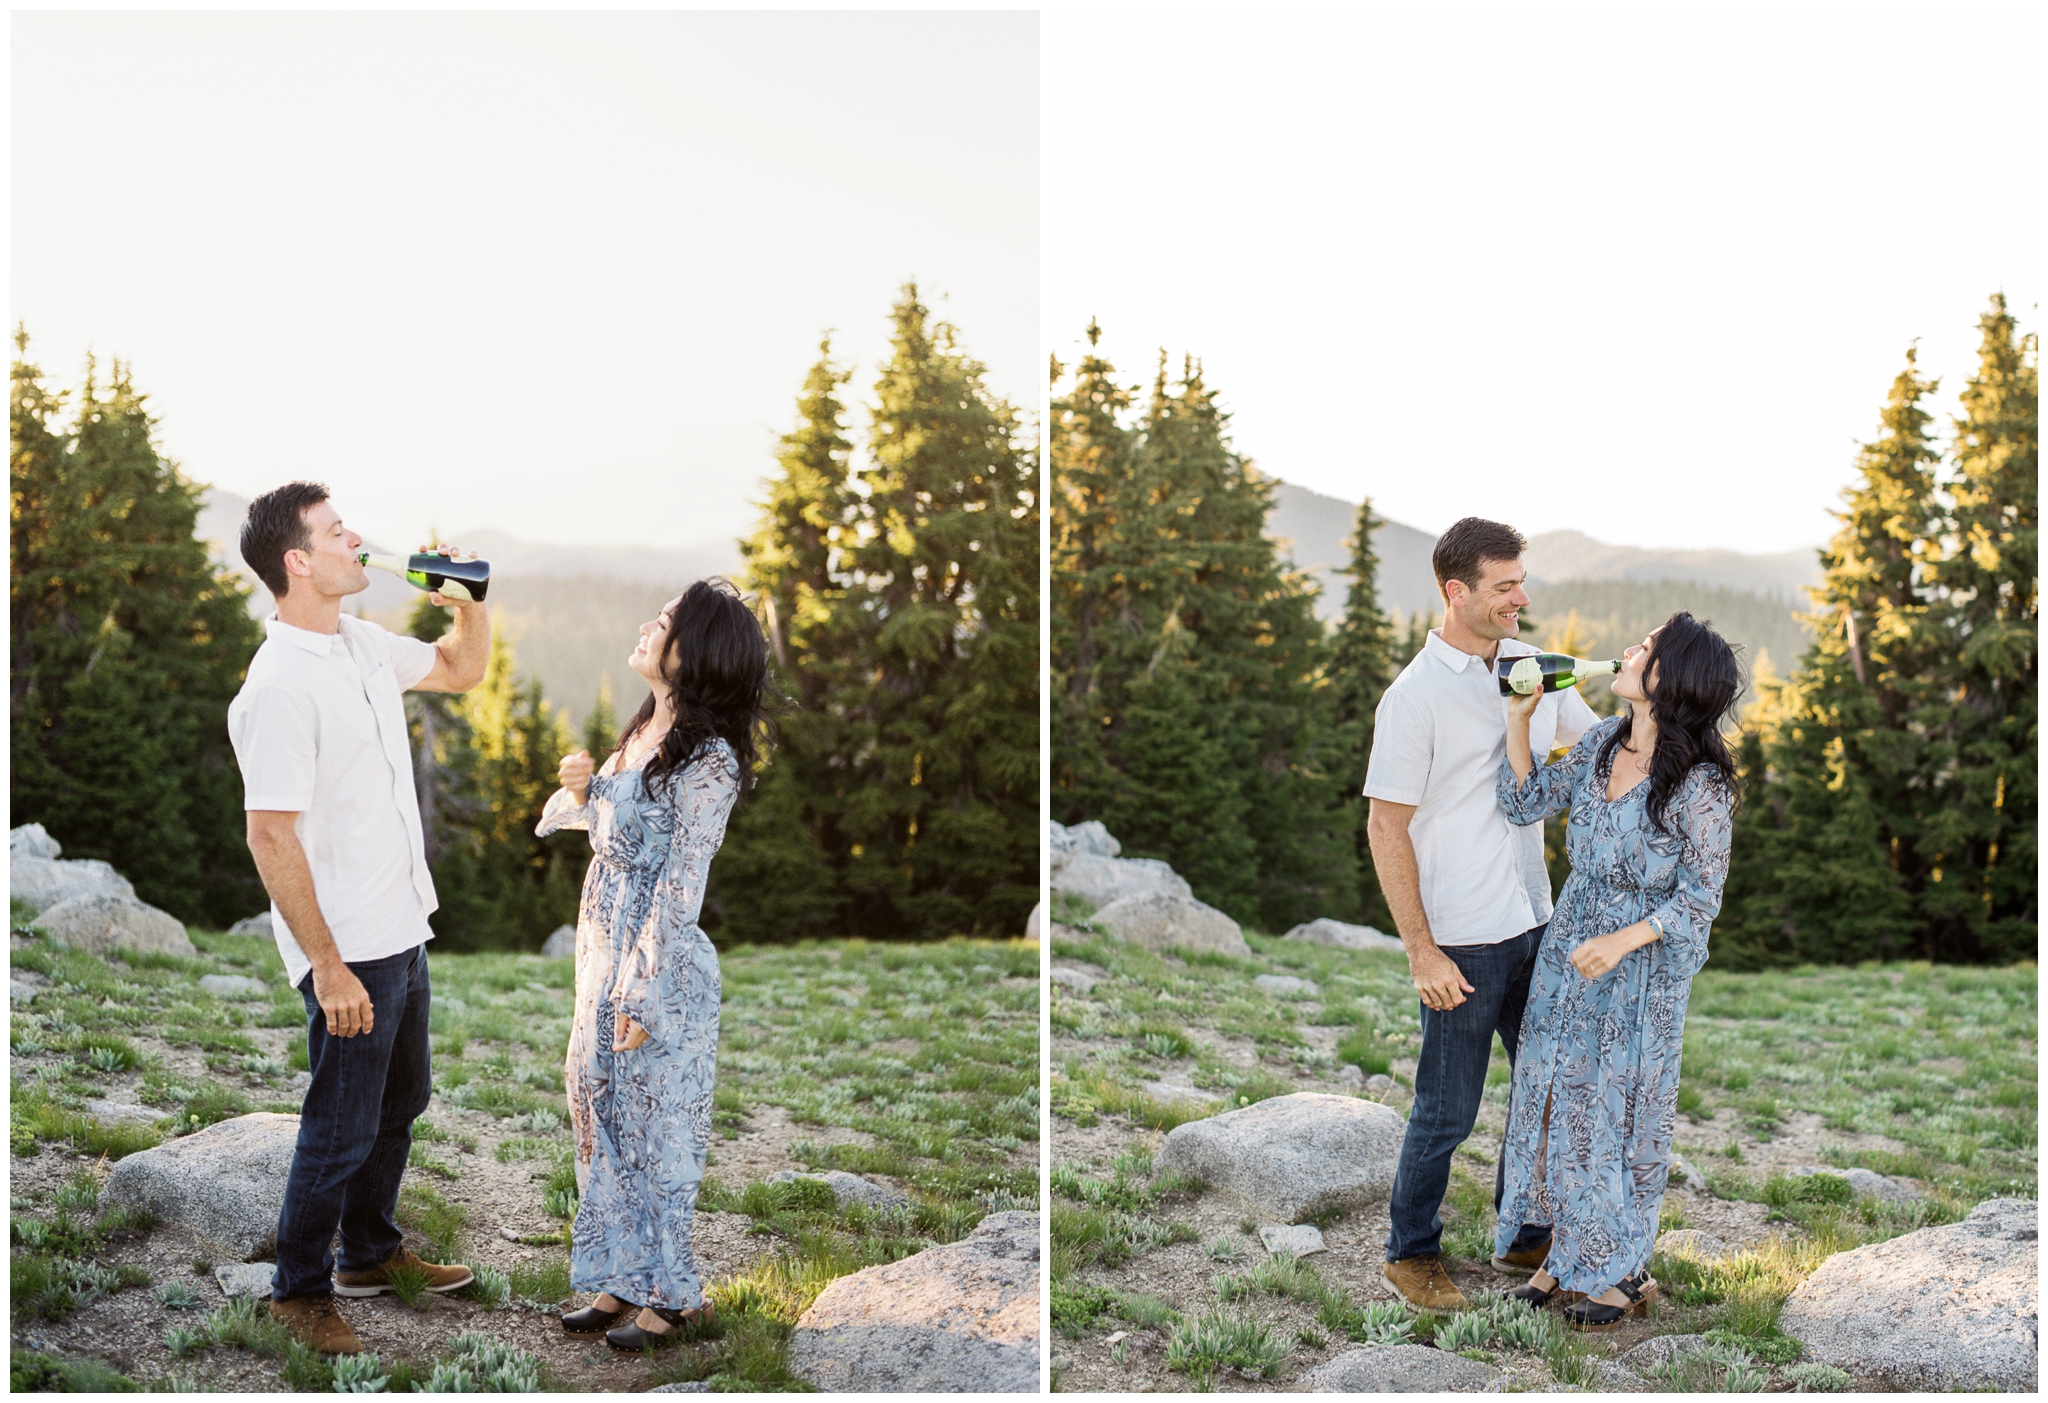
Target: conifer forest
[1889, 806]
[896, 579]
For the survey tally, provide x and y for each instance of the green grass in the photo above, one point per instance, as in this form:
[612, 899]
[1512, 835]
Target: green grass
[1938, 1057]
[1076, 1306]
[39, 1115]
[472, 1362]
[1202, 1344]
[1367, 1051]
[1106, 1222]
[1468, 1212]
[1154, 1001]
[928, 1052]
[1940, 1060]
[408, 1282]
[427, 1162]
[422, 1208]
[1278, 1275]
[245, 1324]
[545, 1283]
[30, 1371]
[50, 1271]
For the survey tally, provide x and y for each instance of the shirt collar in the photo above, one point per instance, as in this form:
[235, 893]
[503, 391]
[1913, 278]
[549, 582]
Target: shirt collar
[1457, 659]
[318, 644]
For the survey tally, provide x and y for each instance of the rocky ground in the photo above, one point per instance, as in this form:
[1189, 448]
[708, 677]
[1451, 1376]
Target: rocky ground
[1143, 1041]
[912, 1068]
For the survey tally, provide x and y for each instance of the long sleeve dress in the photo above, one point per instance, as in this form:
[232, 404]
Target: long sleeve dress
[642, 1119]
[1602, 1055]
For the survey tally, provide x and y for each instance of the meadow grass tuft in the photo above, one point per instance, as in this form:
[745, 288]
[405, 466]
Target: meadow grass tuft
[422, 1208]
[1279, 1275]
[545, 1283]
[409, 1283]
[1202, 1344]
[32, 1371]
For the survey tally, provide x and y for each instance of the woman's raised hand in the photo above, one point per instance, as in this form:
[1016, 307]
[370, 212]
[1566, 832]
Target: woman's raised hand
[574, 773]
[1522, 706]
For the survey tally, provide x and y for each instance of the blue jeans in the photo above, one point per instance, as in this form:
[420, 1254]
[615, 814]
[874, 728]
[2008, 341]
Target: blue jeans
[1450, 1079]
[355, 1129]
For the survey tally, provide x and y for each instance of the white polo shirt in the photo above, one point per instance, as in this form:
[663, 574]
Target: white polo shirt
[1438, 739]
[319, 730]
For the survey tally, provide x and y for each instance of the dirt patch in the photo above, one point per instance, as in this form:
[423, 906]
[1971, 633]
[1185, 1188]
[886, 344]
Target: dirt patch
[126, 1330]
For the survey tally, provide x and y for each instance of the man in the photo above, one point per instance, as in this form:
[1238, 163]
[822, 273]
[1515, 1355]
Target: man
[1468, 891]
[319, 731]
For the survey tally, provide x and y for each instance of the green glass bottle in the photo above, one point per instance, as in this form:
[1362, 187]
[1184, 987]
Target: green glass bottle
[1548, 672]
[431, 571]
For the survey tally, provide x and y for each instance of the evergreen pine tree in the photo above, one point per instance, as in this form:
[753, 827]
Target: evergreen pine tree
[601, 727]
[940, 807]
[1413, 632]
[127, 647]
[779, 874]
[1980, 899]
[500, 886]
[1828, 858]
[1361, 668]
[1179, 620]
[900, 797]
[1095, 503]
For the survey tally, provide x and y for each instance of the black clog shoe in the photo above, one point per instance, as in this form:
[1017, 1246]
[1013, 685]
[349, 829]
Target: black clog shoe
[631, 1339]
[1590, 1314]
[1532, 1295]
[592, 1320]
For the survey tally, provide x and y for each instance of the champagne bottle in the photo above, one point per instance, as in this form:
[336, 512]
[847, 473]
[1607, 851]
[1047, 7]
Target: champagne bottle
[1548, 672]
[457, 579]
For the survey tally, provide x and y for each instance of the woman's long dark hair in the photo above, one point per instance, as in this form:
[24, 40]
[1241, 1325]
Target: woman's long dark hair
[716, 662]
[1697, 685]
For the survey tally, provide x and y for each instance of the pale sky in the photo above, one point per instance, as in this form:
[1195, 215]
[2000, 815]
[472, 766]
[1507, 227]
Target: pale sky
[557, 274]
[1643, 271]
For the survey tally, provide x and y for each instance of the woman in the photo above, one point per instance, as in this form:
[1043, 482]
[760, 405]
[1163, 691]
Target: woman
[1652, 794]
[644, 1041]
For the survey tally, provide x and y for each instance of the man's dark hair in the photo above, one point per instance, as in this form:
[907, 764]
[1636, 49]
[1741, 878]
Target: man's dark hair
[277, 523]
[1462, 551]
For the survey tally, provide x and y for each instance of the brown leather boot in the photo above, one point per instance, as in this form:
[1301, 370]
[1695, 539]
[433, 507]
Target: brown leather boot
[1524, 1262]
[377, 1279]
[1422, 1281]
[315, 1323]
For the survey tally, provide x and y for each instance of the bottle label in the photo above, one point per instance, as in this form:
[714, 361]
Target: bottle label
[1526, 676]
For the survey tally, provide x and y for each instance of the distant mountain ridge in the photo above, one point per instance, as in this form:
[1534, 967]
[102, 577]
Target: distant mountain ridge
[220, 524]
[1315, 528]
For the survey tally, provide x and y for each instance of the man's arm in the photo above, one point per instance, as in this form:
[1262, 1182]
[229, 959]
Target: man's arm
[281, 862]
[1437, 978]
[462, 653]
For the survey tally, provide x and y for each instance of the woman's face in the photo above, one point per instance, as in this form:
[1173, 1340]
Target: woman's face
[1631, 683]
[646, 658]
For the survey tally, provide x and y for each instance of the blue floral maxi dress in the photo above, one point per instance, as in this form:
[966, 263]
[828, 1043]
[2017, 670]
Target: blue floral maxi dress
[642, 1119]
[1602, 1055]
